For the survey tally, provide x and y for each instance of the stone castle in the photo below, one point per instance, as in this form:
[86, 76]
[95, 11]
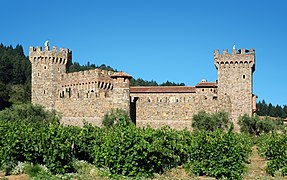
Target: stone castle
[88, 95]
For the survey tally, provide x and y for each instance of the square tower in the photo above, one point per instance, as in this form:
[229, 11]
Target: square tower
[235, 81]
[47, 67]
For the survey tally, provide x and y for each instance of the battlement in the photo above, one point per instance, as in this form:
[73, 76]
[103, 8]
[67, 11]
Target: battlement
[240, 58]
[87, 77]
[63, 56]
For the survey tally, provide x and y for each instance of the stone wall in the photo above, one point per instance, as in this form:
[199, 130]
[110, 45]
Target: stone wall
[235, 73]
[173, 106]
[88, 95]
[79, 96]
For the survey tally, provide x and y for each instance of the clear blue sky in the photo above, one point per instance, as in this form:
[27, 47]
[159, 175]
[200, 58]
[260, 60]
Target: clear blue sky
[158, 39]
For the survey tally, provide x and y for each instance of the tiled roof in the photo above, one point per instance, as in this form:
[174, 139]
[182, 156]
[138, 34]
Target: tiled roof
[121, 74]
[162, 89]
[206, 84]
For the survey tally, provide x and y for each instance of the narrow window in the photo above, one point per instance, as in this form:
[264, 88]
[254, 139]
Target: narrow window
[243, 76]
[44, 92]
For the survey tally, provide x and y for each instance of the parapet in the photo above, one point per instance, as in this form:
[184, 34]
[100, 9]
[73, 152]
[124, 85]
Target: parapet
[50, 56]
[241, 57]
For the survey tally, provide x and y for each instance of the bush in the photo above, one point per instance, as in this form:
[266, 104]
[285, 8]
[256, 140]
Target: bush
[130, 151]
[210, 122]
[218, 154]
[254, 125]
[48, 144]
[116, 117]
[274, 148]
[30, 113]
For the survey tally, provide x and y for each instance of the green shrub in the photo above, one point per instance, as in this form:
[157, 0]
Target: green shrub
[218, 154]
[210, 122]
[30, 113]
[86, 138]
[254, 125]
[130, 151]
[274, 148]
[116, 117]
[48, 144]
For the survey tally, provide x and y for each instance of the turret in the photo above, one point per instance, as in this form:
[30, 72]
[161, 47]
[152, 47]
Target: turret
[235, 80]
[47, 67]
[121, 90]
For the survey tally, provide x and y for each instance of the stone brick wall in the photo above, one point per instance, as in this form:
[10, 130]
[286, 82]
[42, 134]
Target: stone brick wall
[173, 106]
[79, 96]
[235, 73]
[88, 95]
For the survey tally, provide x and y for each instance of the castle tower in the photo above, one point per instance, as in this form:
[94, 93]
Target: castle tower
[121, 90]
[235, 79]
[47, 67]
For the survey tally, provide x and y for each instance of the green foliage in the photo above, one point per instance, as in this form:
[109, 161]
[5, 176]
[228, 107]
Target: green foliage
[129, 151]
[210, 122]
[47, 144]
[141, 82]
[274, 148]
[123, 150]
[264, 109]
[218, 154]
[254, 125]
[116, 117]
[86, 138]
[76, 67]
[34, 170]
[15, 74]
[28, 112]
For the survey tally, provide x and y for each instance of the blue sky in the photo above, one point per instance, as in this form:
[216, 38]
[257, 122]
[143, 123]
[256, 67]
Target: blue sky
[158, 39]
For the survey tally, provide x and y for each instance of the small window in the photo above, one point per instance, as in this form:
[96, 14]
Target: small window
[38, 74]
[45, 67]
[44, 92]
[243, 76]
[202, 90]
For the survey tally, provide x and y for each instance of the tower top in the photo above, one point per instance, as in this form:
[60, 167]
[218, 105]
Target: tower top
[240, 56]
[47, 55]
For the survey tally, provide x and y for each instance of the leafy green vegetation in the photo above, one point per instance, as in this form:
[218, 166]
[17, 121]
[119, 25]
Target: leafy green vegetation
[116, 117]
[274, 148]
[15, 76]
[264, 109]
[219, 154]
[28, 112]
[211, 122]
[254, 125]
[123, 150]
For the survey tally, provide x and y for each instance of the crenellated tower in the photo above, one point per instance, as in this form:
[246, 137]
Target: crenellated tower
[235, 81]
[47, 67]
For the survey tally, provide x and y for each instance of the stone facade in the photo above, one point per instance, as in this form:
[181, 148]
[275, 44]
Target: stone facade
[88, 95]
[80, 96]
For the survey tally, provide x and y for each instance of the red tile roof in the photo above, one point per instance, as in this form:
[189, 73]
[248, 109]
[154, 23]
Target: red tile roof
[206, 84]
[121, 74]
[162, 89]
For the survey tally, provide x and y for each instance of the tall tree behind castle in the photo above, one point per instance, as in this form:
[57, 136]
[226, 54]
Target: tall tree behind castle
[15, 76]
